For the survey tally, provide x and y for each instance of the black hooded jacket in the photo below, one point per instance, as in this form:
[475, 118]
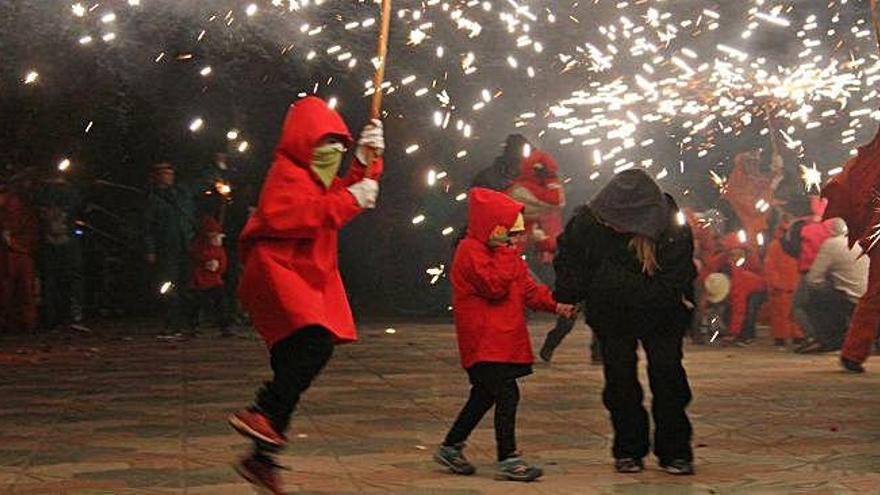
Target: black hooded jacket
[595, 266]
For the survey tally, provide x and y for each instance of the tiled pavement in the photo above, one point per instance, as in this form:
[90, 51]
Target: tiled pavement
[119, 412]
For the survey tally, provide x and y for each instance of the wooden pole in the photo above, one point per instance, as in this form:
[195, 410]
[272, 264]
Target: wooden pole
[379, 76]
[381, 52]
[875, 19]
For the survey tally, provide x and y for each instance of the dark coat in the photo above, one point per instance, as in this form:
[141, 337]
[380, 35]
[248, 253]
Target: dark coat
[595, 266]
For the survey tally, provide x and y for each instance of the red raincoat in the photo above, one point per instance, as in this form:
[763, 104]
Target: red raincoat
[544, 198]
[202, 252]
[853, 195]
[289, 245]
[491, 288]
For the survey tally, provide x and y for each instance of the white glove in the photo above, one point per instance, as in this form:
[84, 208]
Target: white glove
[7, 237]
[212, 265]
[538, 234]
[373, 137]
[365, 192]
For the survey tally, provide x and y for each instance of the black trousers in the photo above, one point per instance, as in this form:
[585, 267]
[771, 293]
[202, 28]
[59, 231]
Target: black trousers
[212, 300]
[829, 311]
[62, 282]
[623, 395]
[296, 361]
[504, 395]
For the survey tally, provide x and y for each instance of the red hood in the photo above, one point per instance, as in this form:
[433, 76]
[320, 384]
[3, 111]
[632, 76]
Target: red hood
[487, 209]
[527, 169]
[308, 120]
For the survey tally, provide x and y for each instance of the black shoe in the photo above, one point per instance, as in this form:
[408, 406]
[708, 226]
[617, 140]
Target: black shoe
[779, 342]
[851, 366]
[453, 459]
[678, 467]
[628, 465]
[745, 342]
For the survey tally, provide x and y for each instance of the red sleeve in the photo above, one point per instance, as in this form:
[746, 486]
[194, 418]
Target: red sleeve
[489, 273]
[289, 207]
[22, 225]
[357, 171]
[539, 297]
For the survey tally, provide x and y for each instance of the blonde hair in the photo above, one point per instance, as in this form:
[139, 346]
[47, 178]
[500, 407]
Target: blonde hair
[645, 250]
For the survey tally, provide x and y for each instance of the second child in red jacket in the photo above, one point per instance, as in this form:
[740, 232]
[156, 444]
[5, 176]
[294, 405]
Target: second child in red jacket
[209, 265]
[491, 289]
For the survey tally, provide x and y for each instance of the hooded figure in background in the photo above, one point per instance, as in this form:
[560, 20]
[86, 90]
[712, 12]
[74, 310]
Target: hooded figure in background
[539, 189]
[630, 264]
[291, 284]
[854, 195]
[209, 262]
[506, 167]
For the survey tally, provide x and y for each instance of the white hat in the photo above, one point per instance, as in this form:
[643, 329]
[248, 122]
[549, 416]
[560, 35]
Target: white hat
[717, 287]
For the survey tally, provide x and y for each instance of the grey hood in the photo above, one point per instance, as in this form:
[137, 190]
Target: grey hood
[633, 203]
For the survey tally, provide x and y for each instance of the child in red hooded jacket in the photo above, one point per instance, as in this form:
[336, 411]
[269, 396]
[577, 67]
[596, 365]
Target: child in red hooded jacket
[491, 288]
[291, 285]
[209, 265]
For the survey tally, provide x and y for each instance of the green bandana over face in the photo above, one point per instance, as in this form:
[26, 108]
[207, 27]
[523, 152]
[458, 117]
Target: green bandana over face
[326, 160]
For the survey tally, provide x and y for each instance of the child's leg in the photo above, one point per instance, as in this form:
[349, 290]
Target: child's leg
[478, 404]
[506, 402]
[296, 361]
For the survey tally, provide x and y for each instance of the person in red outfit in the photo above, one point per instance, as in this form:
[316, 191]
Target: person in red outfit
[291, 284]
[747, 288]
[491, 288]
[782, 277]
[853, 195]
[19, 237]
[539, 189]
[209, 266]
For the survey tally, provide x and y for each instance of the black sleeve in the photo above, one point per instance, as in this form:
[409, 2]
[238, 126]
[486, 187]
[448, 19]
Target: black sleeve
[572, 262]
[666, 288]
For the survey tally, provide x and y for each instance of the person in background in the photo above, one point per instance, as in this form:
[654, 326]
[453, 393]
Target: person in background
[491, 289]
[837, 279]
[209, 263]
[747, 290]
[803, 240]
[506, 167]
[782, 276]
[169, 228]
[19, 238]
[291, 285]
[631, 264]
[60, 257]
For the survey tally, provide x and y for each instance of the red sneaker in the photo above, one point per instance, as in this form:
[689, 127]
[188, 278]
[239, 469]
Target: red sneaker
[261, 472]
[255, 425]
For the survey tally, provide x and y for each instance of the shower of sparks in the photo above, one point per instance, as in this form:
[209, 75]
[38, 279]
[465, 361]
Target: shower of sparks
[650, 80]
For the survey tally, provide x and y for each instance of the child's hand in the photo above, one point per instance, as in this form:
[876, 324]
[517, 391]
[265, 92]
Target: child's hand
[212, 265]
[566, 310]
